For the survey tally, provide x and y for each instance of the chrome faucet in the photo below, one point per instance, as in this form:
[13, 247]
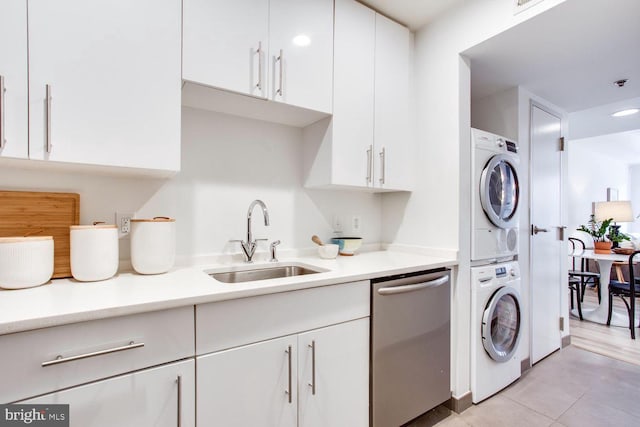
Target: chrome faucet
[249, 246]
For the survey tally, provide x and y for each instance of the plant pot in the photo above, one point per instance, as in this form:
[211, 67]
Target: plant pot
[602, 247]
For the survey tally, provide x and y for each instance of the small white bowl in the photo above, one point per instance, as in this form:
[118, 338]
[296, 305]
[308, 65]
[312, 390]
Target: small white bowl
[25, 262]
[328, 251]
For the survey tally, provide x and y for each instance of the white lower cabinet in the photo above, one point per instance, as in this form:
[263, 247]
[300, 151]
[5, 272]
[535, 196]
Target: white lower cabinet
[159, 397]
[315, 378]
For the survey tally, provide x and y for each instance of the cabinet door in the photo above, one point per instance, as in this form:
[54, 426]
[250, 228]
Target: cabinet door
[254, 385]
[353, 94]
[226, 44]
[392, 134]
[13, 74]
[114, 72]
[334, 388]
[156, 397]
[302, 30]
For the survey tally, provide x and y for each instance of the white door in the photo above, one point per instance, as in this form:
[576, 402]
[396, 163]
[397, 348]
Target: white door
[13, 78]
[353, 113]
[392, 137]
[547, 280]
[114, 72]
[152, 397]
[226, 44]
[302, 30]
[253, 385]
[334, 376]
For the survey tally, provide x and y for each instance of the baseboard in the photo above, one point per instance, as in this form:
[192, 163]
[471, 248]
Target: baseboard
[525, 365]
[566, 341]
[460, 404]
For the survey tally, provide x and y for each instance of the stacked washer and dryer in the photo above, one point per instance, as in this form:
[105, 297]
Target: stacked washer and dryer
[496, 316]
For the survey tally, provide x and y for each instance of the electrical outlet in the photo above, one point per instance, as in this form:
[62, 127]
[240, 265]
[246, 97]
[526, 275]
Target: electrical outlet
[123, 222]
[356, 224]
[337, 224]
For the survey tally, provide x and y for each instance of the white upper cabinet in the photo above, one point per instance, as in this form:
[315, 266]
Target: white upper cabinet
[367, 144]
[13, 79]
[280, 50]
[392, 137]
[353, 110]
[301, 52]
[226, 44]
[104, 82]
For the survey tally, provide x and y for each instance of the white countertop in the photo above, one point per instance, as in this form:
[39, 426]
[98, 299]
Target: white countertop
[68, 301]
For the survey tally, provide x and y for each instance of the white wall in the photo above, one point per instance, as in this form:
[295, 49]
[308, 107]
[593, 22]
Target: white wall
[497, 113]
[594, 166]
[227, 162]
[634, 196]
[437, 213]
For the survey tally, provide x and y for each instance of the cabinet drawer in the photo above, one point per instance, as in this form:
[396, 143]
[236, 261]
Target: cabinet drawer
[228, 324]
[45, 360]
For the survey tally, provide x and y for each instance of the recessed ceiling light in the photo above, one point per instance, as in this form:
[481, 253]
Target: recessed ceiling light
[627, 112]
[301, 40]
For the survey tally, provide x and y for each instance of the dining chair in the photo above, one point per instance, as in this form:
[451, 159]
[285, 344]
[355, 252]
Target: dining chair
[580, 270]
[628, 292]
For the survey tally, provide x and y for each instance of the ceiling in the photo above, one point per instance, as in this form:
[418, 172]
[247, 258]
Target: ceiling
[412, 13]
[569, 55]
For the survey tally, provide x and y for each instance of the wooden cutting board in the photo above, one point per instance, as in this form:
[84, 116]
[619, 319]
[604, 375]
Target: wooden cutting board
[26, 213]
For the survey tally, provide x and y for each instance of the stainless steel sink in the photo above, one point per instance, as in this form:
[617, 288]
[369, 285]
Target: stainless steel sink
[262, 273]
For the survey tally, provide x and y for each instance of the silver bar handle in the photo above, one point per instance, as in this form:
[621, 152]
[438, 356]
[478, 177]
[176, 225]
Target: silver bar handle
[369, 161]
[59, 359]
[536, 230]
[312, 384]
[382, 165]
[48, 118]
[2, 107]
[179, 382]
[280, 59]
[259, 52]
[288, 391]
[393, 290]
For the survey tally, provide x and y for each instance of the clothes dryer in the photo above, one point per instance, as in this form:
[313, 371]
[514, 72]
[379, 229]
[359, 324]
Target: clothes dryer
[496, 328]
[495, 197]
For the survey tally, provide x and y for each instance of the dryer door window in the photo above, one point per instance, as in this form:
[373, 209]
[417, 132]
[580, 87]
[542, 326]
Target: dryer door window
[499, 190]
[501, 324]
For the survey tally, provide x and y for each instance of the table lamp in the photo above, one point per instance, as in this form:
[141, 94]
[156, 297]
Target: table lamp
[619, 211]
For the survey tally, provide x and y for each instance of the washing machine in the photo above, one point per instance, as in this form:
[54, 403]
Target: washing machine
[496, 328]
[495, 197]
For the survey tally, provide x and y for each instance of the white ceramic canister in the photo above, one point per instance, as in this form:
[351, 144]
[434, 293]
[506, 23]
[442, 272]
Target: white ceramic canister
[153, 245]
[94, 252]
[25, 262]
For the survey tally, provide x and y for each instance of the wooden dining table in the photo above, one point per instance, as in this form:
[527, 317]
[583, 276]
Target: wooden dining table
[600, 313]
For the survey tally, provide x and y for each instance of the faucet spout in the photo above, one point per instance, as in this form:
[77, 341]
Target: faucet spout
[249, 246]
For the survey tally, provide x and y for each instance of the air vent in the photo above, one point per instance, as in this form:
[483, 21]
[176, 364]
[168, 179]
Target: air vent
[520, 5]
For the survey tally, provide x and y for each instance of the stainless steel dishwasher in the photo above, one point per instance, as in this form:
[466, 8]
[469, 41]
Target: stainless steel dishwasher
[410, 345]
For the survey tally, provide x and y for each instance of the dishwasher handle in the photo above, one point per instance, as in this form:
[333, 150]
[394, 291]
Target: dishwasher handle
[393, 290]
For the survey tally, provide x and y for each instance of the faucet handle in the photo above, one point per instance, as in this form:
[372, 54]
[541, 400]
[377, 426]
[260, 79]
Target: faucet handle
[236, 241]
[261, 240]
[272, 246]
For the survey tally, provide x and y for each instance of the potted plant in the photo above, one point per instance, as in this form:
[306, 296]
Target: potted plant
[598, 230]
[615, 236]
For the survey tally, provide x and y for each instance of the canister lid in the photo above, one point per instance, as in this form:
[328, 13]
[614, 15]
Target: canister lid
[24, 239]
[154, 219]
[92, 227]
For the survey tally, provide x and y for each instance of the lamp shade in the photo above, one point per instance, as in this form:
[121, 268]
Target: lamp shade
[619, 210]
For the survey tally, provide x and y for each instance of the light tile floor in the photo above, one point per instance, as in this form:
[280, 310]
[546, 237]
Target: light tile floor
[572, 387]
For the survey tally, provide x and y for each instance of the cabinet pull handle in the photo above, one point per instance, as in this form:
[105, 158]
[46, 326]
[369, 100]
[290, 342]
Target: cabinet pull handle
[59, 359]
[382, 165]
[2, 91]
[179, 382]
[288, 351]
[280, 59]
[259, 53]
[48, 118]
[312, 384]
[369, 161]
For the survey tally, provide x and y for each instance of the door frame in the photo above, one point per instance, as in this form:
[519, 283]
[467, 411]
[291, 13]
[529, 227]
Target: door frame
[551, 111]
